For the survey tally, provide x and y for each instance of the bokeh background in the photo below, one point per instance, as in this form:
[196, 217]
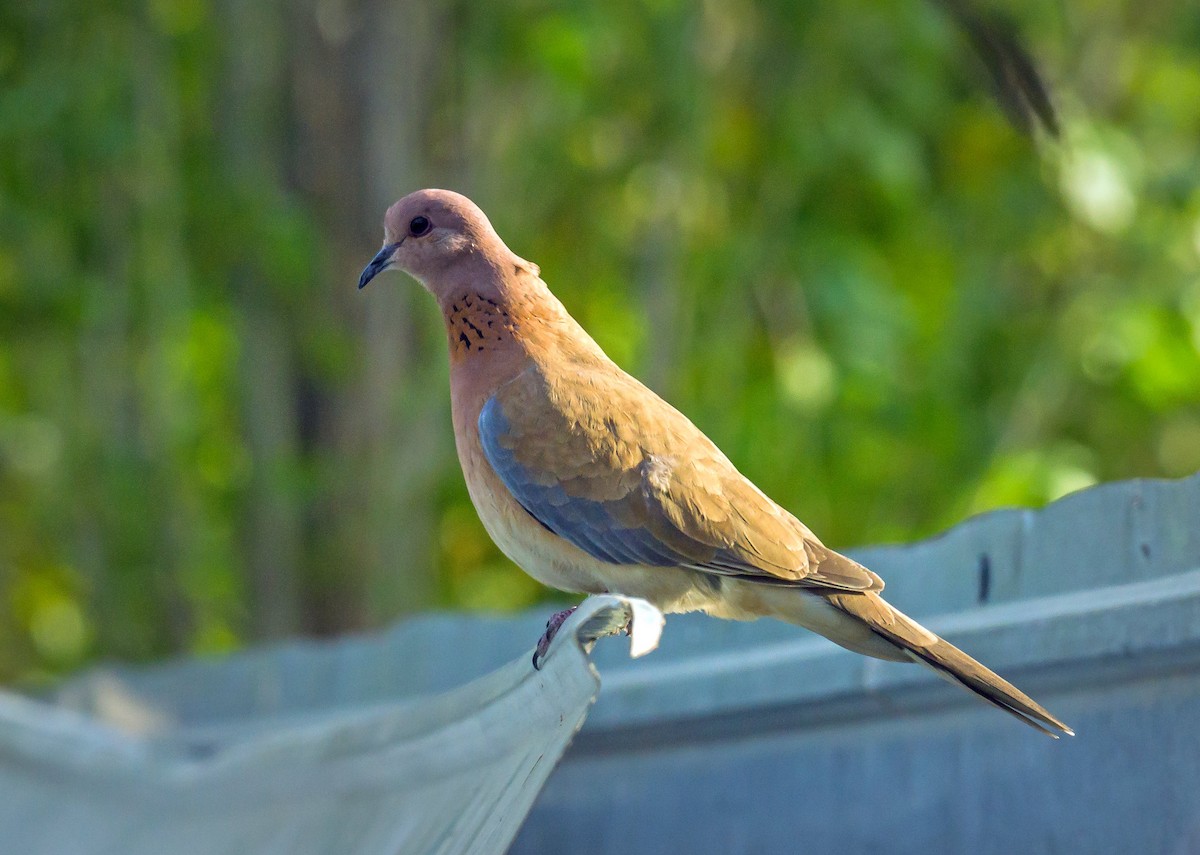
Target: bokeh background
[809, 226]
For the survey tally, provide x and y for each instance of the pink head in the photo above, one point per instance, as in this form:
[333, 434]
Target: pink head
[434, 236]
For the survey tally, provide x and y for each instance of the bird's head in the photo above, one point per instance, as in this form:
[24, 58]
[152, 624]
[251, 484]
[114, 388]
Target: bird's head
[433, 235]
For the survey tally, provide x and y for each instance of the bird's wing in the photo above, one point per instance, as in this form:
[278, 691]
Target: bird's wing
[603, 462]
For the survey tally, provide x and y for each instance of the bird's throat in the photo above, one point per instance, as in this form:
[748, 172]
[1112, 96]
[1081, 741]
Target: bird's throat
[475, 325]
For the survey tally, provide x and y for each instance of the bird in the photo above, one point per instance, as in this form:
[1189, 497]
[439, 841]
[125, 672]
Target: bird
[593, 484]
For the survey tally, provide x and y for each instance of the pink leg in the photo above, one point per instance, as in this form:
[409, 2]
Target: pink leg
[543, 646]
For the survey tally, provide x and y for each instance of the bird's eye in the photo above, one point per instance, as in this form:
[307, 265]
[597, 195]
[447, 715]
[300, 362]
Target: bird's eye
[419, 226]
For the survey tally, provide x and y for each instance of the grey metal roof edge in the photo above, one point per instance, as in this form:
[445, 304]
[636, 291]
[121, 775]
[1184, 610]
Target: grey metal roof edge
[387, 739]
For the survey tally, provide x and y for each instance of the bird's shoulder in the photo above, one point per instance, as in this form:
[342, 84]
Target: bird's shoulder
[593, 407]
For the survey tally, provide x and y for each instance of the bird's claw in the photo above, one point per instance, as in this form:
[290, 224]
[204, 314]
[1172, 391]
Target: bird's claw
[552, 626]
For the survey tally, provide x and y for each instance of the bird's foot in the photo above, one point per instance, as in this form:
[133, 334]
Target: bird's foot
[552, 627]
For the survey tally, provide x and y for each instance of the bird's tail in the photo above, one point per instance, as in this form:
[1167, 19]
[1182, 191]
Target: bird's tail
[942, 657]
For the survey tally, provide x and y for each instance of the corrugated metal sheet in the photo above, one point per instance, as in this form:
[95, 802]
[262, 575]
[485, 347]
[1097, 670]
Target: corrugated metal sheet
[311, 749]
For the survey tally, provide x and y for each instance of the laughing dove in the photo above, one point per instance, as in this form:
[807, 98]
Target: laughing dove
[593, 484]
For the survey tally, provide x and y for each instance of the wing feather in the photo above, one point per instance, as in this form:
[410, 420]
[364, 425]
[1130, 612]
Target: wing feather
[603, 462]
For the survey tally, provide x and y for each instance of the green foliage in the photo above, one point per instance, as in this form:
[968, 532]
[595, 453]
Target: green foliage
[807, 226]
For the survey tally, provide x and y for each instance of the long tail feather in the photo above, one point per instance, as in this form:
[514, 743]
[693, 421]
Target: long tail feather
[947, 661]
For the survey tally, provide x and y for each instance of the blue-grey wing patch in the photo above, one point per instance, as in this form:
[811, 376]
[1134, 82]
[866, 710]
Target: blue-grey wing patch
[589, 524]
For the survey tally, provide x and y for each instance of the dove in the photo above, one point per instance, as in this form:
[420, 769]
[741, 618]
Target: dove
[593, 484]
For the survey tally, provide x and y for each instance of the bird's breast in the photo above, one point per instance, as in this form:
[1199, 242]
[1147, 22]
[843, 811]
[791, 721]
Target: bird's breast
[539, 552]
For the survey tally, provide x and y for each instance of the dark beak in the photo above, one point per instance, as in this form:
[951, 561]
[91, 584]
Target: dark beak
[378, 264]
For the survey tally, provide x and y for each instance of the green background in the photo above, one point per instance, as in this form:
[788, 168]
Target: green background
[809, 226]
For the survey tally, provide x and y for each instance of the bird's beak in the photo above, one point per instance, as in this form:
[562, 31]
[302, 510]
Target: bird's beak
[381, 262]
